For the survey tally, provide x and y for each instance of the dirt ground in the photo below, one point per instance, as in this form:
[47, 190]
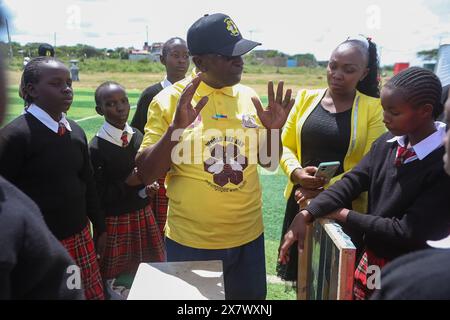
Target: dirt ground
[139, 81]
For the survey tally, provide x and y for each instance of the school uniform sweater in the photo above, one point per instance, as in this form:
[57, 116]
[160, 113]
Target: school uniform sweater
[407, 205]
[112, 165]
[421, 275]
[140, 116]
[54, 171]
[33, 264]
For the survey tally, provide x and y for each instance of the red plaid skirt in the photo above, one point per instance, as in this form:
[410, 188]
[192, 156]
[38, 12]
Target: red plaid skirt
[360, 289]
[81, 248]
[131, 239]
[159, 206]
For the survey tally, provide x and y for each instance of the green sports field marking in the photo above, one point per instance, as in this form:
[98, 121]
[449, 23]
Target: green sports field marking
[95, 116]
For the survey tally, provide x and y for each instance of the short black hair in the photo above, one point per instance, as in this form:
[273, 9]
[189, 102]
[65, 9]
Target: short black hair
[419, 86]
[98, 96]
[168, 43]
[370, 85]
[32, 74]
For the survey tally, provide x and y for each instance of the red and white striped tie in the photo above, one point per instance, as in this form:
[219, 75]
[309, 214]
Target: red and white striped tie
[61, 129]
[403, 154]
[124, 139]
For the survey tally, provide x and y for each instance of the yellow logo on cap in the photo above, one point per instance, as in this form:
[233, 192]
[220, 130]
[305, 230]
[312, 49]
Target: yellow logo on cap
[231, 26]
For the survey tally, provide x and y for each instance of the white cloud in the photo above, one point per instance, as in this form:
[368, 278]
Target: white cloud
[292, 26]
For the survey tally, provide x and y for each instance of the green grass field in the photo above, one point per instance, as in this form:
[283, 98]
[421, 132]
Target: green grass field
[83, 111]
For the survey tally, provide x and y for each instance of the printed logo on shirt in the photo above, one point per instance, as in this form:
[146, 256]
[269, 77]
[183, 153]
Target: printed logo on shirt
[226, 163]
[249, 121]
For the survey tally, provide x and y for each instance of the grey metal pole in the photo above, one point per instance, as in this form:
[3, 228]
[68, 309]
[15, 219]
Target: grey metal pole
[9, 39]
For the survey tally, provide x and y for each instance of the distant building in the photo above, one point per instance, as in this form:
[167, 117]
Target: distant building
[136, 55]
[429, 65]
[156, 48]
[151, 53]
[399, 66]
[275, 61]
[291, 63]
[442, 68]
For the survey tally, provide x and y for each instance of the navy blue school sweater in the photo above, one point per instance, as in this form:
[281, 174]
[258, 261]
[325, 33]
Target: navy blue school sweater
[140, 116]
[407, 205]
[54, 171]
[112, 165]
[33, 264]
[421, 275]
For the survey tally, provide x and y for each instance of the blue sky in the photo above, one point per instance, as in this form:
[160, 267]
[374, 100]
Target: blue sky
[400, 28]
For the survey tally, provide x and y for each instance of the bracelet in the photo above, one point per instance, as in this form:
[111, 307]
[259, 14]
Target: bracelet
[290, 178]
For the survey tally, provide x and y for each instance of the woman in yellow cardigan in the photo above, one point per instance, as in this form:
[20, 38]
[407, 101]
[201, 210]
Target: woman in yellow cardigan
[338, 123]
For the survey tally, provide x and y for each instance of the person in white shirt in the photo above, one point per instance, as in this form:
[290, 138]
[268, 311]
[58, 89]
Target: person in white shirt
[175, 58]
[132, 233]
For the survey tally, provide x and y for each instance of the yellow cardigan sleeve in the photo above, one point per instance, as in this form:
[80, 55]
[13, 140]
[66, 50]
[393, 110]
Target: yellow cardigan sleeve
[289, 160]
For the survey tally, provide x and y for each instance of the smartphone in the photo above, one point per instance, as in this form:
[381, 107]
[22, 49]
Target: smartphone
[327, 170]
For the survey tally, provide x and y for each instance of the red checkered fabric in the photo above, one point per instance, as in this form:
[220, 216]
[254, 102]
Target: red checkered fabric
[131, 239]
[360, 289]
[159, 205]
[81, 248]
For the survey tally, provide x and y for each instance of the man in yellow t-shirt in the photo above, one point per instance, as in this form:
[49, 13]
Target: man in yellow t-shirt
[210, 153]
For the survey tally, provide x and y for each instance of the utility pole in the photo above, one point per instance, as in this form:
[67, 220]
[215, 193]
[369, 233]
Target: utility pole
[146, 27]
[54, 40]
[252, 31]
[9, 39]
[251, 34]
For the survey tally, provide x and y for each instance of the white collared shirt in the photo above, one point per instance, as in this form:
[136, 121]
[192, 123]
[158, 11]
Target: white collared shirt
[45, 118]
[111, 134]
[165, 83]
[440, 244]
[427, 145]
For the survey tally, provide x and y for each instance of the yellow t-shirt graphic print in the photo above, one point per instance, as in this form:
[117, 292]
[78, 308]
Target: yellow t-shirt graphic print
[213, 185]
[226, 164]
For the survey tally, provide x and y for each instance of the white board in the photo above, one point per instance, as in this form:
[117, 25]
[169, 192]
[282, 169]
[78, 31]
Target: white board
[192, 280]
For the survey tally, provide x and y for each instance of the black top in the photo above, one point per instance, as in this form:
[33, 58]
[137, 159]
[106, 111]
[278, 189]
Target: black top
[325, 137]
[422, 275]
[407, 205]
[33, 264]
[140, 116]
[112, 165]
[53, 171]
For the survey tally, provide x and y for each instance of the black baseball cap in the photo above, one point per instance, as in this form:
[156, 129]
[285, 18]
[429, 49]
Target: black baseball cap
[46, 50]
[217, 33]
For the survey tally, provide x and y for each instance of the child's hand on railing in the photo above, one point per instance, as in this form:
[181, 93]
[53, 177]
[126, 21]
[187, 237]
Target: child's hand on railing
[296, 232]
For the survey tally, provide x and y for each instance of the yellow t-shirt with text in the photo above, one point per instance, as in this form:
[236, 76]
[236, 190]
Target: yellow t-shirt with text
[213, 185]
